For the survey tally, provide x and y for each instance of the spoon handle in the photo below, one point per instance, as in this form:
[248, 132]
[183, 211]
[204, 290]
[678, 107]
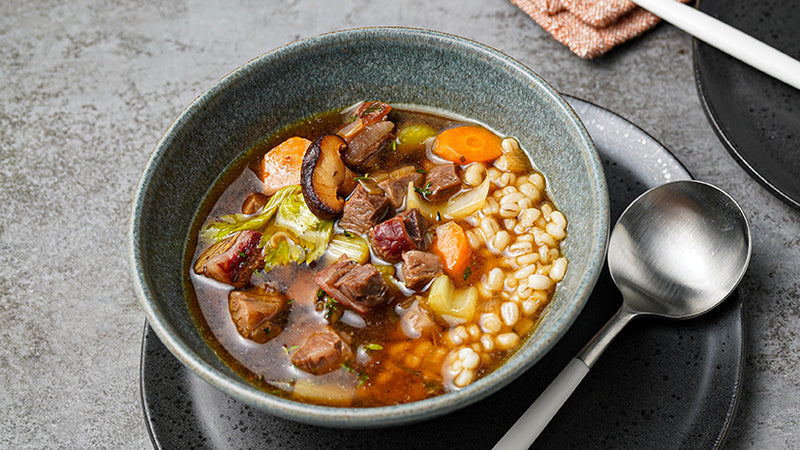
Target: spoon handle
[528, 427]
[728, 39]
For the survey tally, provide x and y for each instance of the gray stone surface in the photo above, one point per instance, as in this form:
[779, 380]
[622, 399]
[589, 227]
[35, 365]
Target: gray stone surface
[87, 89]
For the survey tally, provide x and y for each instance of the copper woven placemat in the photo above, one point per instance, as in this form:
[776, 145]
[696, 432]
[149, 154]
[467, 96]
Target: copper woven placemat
[590, 28]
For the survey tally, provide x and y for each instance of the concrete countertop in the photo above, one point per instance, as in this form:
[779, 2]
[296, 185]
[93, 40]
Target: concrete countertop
[89, 87]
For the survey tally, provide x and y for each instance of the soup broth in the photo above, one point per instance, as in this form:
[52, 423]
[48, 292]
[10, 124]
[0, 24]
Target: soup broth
[374, 256]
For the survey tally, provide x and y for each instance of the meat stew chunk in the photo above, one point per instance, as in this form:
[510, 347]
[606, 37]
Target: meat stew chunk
[396, 187]
[259, 313]
[390, 239]
[363, 211]
[360, 152]
[233, 259]
[420, 268]
[441, 181]
[357, 286]
[417, 226]
[418, 322]
[322, 352]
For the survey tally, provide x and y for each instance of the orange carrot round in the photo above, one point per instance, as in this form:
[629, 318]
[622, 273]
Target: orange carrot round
[467, 144]
[452, 245]
[281, 165]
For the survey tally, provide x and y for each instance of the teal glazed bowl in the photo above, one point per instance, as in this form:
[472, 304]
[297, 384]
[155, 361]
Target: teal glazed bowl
[396, 65]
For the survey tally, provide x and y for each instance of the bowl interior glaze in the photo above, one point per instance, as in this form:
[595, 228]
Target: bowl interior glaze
[319, 74]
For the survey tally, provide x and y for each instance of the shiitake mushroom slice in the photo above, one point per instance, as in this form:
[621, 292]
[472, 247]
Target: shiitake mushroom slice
[321, 176]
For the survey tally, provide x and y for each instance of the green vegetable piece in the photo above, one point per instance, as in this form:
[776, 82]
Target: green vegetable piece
[354, 246]
[454, 306]
[227, 225]
[413, 136]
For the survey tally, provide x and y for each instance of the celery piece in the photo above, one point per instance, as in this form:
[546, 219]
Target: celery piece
[354, 246]
[233, 223]
[323, 393]
[413, 136]
[454, 306]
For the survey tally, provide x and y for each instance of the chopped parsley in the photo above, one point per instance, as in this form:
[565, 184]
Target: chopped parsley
[267, 330]
[375, 107]
[422, 171]
[362, 379]
[362, 376]
[242, 254]
[348, 235]
[289, 349]
[373, 347]
[426, 191]
[330, 307]
[362, 178]
[467, 272]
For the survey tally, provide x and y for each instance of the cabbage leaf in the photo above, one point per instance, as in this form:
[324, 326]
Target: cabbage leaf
[290, 231]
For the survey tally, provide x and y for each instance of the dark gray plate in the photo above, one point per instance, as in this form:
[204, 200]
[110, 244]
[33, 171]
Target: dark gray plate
[756, 117]
[660, 385]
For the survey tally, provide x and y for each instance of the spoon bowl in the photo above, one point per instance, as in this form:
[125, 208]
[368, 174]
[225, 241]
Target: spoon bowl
[677, 251]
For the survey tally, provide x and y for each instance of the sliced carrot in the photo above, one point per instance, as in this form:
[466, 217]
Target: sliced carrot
[281, 165]
[451, 244]
[467, 144]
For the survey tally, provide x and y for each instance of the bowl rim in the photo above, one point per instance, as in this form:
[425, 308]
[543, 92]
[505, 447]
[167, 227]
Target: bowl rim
[348, 417]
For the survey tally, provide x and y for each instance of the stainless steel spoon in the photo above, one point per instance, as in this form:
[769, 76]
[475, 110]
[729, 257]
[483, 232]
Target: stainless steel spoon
[677, 251]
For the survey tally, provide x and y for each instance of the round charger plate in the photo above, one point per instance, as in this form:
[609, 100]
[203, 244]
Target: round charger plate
[756, 117]
[660, 384]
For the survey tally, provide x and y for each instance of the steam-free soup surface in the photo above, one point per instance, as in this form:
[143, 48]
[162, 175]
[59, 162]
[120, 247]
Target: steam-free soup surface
[375, 256]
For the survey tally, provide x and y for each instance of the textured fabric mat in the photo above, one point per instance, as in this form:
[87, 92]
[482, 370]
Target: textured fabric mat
[590, 28]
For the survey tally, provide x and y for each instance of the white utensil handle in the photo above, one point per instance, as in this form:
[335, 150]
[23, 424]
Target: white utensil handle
[728, 39]
[531, 424]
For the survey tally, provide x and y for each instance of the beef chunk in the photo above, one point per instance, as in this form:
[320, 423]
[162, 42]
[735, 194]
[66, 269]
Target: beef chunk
[416, 226]
[390, 239]
[233, 259]
[259, 314]
[441, 181]
[419, 268]
[360, 152]
[396, 188]
[323, 352]
[418, 322]
[357, 286]
[363, 210]
[366, 114]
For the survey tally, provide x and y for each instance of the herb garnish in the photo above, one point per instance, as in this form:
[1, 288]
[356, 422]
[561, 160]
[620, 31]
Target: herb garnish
[373, 347]
[289, 349]
[330, 307]
[362, 178]
[426, 191]
[467, 272]
[375, 107]
[348, 235]
[362, 376]
[422, 171]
